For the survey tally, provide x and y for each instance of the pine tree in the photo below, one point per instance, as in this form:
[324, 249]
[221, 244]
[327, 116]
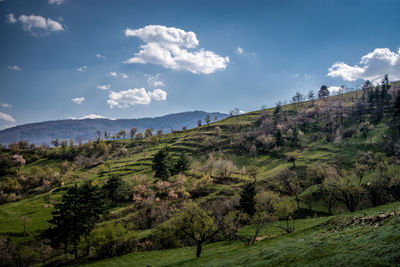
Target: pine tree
[182, 164]
[162, 164]
[279, 138]
[75, 216]
[247, 203]
[112, 187]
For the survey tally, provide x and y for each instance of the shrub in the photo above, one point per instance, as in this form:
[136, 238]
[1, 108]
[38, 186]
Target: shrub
[349, 132]
[112, 240]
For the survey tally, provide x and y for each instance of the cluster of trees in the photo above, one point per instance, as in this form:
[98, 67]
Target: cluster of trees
[164, 164]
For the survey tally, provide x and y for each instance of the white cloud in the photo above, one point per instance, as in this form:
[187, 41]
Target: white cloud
[158, 94]
[36, 25]
[14, 67]
[82, 69]
[334, 89]
[168, 47]
[56, 2]
[11, 19]
[130, 97]
[154, 80]
[103, 87]
[241, 112]
[78, 100]
[93, 116]
[122, 75]
[373, 66]
[6, 117]
[239, 50]
[100, 56]
[5, 105]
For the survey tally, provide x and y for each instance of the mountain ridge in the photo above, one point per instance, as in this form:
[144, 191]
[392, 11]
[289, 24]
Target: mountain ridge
[84, 129]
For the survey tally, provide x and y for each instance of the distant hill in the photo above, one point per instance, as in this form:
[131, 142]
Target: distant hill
[44, 132]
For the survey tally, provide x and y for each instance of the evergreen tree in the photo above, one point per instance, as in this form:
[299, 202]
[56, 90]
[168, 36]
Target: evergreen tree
[162, 164]
[277, 113]
[75, 216]
[247, 202]
[279, 138]
[182, 164]
[112, 187]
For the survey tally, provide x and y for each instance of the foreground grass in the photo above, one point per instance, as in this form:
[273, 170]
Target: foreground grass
[314, 243]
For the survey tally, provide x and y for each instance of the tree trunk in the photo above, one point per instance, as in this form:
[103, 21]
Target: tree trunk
[198, 252]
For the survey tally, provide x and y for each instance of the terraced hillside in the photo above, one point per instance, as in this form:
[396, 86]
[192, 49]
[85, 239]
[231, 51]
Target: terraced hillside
[337, 133]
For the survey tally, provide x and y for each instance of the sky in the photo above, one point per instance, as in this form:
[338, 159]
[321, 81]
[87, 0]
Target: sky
[63, 59]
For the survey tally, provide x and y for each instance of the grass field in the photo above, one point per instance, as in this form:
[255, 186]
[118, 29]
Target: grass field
[314, 243]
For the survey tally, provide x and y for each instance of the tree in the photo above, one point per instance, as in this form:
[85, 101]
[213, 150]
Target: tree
[277, 115]
[25, 221]
[55, 142]
[198, 123]
[279, 141]
[346, 188]
[75, 216]
[289, 183]
[112, 187]
[310, 95]
[267, 201]
[98, 136]
[207, 119]
[162, 164]
[246, 202]
[148, 132]
[106, 135]
[182, 164]
[323, 92]
[285, 209]
[132, 132]
[196, 224]
[292, 157]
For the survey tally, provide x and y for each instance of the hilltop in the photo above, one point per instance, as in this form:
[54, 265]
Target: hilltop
[318, 168]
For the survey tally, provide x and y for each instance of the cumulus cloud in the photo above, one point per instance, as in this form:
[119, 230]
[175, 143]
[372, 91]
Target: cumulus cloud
[168, 47]
[11, 18]
[14, 67]
[100, 56]
[82, 69]
[154, 80]
[6, 117]
[239, 50]
[78, 100]
[56, 2]
[121, 75]
[373, 66]
[130, 97]
[103, 87]
[36, 25]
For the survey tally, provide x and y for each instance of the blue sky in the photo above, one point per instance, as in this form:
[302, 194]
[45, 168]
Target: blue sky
[129, 59]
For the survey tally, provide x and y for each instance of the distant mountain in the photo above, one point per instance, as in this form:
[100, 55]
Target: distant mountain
[44, 132]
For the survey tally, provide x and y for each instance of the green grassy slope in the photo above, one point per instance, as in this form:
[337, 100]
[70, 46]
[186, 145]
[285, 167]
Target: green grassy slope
[316, 242]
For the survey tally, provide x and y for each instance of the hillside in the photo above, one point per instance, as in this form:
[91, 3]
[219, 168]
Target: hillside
[303, 159]
[84, 129]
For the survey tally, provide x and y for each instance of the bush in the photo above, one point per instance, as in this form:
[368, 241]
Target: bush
[349, 132]
[112, 240]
